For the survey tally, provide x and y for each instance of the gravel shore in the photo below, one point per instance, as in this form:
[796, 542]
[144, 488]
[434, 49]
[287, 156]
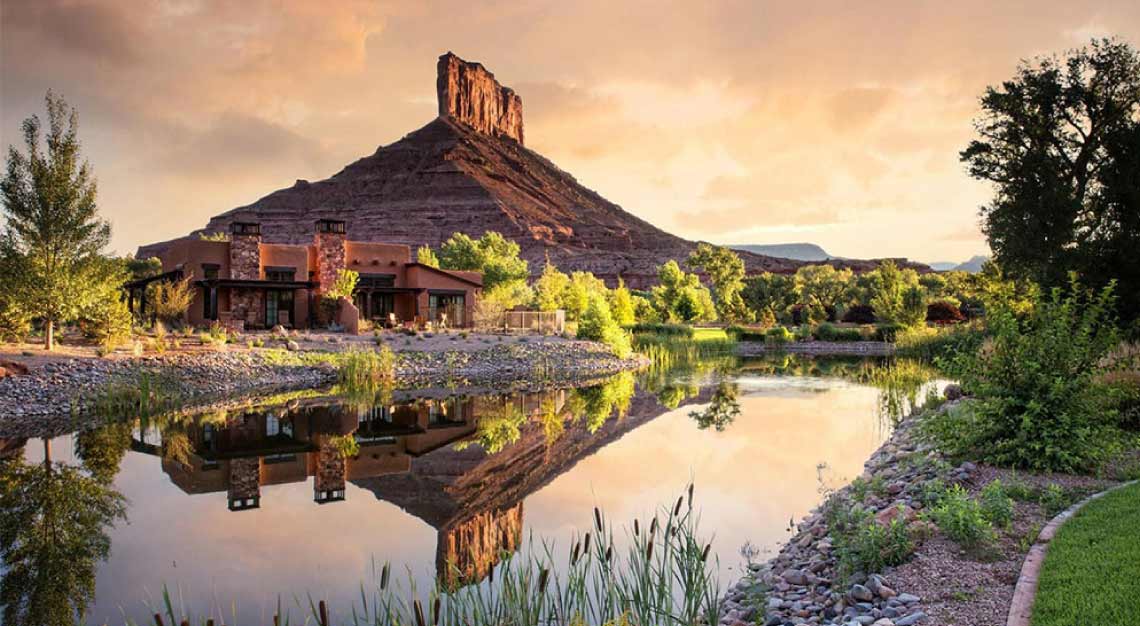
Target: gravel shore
[53, 394]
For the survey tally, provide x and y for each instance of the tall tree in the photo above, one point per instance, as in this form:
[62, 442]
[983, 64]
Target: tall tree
[1060, 141]
[53, 233]
[494, 255]
[725, 270]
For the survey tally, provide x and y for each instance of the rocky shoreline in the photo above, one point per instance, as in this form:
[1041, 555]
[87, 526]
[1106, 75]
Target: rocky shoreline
[52, 397]
[800, 585]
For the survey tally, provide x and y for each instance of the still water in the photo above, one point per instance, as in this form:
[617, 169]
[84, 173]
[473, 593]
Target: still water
[232, 511]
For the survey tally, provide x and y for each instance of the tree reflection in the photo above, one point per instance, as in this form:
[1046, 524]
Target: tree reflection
[52, 534]
[722, 409]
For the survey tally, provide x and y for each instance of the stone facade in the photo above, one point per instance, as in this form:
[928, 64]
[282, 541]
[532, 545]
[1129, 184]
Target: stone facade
[245, 257]
[248, 306]
[330, 258]
[468, 550]
[245, 478]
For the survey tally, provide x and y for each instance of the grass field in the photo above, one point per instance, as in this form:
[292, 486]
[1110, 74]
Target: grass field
[709, 334]
[1091, 573]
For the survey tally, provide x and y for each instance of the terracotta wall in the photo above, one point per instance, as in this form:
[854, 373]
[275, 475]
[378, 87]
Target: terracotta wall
[419, 276]
[378, 258]
[286, 255]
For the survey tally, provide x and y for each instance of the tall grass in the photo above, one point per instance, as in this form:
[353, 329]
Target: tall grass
[933, 343]
[366, 370]
[142, 394]
[666, 575]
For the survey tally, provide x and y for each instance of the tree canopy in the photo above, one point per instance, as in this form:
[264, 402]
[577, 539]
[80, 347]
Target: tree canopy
[492, 254]
[1060, 141]
[725, 270]
[53, 236]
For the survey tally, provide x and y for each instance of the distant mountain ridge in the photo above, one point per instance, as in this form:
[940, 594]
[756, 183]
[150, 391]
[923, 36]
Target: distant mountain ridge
[973, 266]
[796, 251]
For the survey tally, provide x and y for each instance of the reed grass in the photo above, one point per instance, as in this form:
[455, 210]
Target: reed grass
[666, 575]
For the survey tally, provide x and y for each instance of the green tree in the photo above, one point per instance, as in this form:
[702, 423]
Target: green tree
[680, 296]
[776, 292]
[550, 288]
[426, 256]
[913, 310]
[104, 315]
[492, 254]
[621, 305]
[597, 324]
[53, 234]
[583, 287]
[1060, 141]
[888, 287]
[726, 273]
[823, 284]
[52, 534]
[722, 409]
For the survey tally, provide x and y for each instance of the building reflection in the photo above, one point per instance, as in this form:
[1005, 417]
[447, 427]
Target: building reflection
[427, 455]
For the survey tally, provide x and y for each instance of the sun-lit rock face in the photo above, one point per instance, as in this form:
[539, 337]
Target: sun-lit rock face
[470, 95]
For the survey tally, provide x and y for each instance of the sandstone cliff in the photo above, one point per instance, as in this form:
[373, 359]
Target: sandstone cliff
[468, 171]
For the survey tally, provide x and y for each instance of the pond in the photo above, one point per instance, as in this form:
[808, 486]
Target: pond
[310, 495]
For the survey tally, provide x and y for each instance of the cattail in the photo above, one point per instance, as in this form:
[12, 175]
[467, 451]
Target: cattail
[653, 526]
[586, 547]
[543, 578]
[574, 553]
[690, 495]
[677, 509]
[705, 552]
[635, 528]
[649, 549]
[598, 519]
[435, 611]
[384, 577]
[491, 573]
[419, 609]
[609, 553]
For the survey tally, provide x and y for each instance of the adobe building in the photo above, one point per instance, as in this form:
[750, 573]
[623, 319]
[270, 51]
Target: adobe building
[249, 283]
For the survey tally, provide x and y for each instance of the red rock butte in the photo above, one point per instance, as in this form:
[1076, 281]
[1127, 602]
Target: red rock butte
[468, 171]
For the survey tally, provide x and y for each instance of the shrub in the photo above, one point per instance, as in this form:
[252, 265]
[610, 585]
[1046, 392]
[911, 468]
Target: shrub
[678, 330]
[997, 507]
[803, 333]
[1053, 499]
[830, 332]
[943, 312]
[1038, 405]
[960, 518]
[913, 312]
[931, 344]
[887, 332]
[778, 335]
[172, 299]
[860, 314]
[597, 324]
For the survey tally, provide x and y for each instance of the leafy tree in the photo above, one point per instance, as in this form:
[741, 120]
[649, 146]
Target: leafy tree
[53, 233]
[426, 256]
[888, 289]
[621, 305]
[15, 317]
[104, 316]
[597, 324]
[492, 254]
[913, 311]
[550, 288]
[726, 273]
[102, 449]
[52, 534]
[1060, 141]
[583, 287]
[775, 292]
[823, 284]
[680, 296]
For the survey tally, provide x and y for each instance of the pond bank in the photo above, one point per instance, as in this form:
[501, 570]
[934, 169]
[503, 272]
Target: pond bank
[58, 390]
[818, 348]
[940, 583]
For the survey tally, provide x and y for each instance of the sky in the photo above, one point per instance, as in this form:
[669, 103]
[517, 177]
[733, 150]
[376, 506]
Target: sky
[837, 123]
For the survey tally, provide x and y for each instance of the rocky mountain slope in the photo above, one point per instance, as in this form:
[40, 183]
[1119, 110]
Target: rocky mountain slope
[468, 171]
[794, 251]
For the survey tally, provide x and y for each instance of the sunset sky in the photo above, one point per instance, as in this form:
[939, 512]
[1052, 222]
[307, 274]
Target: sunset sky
[837, 123]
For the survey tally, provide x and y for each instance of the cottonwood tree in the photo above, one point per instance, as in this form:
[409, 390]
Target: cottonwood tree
[53, 235]
[494, 255]
[726, 274]
[1060, 141]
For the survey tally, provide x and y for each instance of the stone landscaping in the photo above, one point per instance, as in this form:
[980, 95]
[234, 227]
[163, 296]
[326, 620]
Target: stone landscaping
[941, 583]
[52, 393]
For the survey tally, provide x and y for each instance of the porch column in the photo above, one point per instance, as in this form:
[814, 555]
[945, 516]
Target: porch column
[367, 312]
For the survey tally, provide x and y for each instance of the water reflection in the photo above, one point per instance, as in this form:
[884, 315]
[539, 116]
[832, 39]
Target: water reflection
[463, 466]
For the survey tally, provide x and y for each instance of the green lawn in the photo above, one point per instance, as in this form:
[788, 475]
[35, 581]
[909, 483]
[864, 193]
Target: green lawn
[1091, 573]
[707, 334]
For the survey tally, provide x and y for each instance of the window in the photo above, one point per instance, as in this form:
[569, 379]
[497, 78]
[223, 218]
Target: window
[210, 271]
[374, 281]
[330, 226]
[280, 274]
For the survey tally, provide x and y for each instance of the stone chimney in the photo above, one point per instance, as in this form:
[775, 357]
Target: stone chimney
[328, 481]
[470, 95]
[245, 483]
[245, 251]
[330, 252]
